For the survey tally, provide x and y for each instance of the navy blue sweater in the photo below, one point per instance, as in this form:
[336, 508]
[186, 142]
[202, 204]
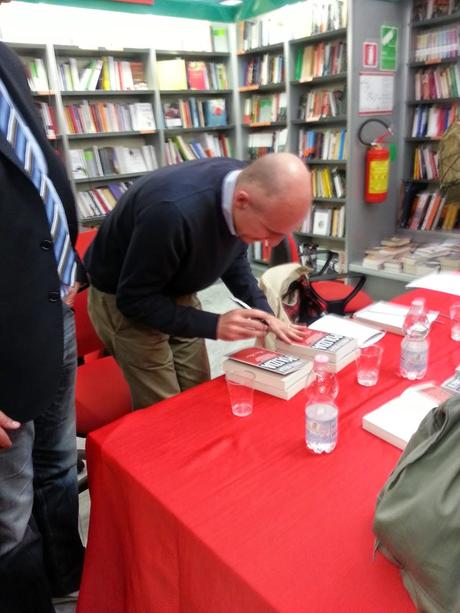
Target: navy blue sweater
[167, 237]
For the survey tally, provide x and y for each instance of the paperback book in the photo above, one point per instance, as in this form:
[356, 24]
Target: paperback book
[335, 346]
[276, 373]
[397, 420]
[387, 316]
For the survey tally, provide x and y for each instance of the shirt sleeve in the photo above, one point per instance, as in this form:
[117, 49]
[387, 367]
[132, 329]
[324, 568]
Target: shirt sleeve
[156, 249]
[241, 282]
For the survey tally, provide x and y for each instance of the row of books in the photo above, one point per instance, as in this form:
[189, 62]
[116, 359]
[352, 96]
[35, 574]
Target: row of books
[320, 60]
[328, 183]
[441, 82]
[48, 117]
[178, 149]
[97, 117]
[101, 161]
[37, 77]
[318, 16]
[323, 144]
[263, 70]
[432, 121]
[413, 258]
[179, 74]
[260, 143]
[301, 20]
[319, 103]
[426, 163]
[254, 33]
[100, 200]
[428, 9]
[106, 73]
[325, 221]
[195, 113]
[438, 44]
[265, 109]
[422, 209]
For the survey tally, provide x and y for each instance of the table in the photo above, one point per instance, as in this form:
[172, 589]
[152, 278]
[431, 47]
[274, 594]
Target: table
[195, 510]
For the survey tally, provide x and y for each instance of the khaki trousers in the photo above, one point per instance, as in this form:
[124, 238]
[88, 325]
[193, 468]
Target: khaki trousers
[155, 365]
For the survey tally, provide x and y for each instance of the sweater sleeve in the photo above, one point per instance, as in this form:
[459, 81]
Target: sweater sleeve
[157, 247]
[241, 282]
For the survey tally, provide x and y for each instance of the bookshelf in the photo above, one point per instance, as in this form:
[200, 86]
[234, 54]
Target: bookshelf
[263, 97]
[195, 94]
[36, 63]
[318, 126]
[432, 105]
[107, 122]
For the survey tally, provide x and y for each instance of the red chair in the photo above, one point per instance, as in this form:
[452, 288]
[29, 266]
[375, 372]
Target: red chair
[101, 391]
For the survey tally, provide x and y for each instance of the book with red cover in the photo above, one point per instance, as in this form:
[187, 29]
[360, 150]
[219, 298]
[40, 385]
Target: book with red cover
[197, 76]
[275, 373]
[273, 361]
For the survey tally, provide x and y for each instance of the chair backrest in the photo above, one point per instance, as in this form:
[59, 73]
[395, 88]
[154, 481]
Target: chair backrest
[87, 339]
[286, 251]
[84, 240]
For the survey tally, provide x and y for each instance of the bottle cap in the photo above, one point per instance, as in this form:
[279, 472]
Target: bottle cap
[321, 358]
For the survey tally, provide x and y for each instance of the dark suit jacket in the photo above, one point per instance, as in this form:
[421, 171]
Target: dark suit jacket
[31, 329]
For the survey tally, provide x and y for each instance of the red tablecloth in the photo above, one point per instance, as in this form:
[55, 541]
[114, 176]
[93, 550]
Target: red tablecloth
[196, 510]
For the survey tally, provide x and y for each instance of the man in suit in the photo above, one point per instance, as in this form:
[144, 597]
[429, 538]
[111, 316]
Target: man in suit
[174, 233]
[41, 553]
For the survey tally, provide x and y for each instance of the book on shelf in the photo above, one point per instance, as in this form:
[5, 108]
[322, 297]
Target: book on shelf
[219, 38]
[197, 75]
[426, 163]
[387, 316]
[48, 117]
[37, 77]
[397, 420]
[263, 69]
[276, 373]
[324, 17]
[323, 144]
[321, 103]
[172, 115]
[142, 117]
[215, 112]
[172, 74]
[439, 82]
[260, 143]
[336, 346]
[321, 223]
[432, 121]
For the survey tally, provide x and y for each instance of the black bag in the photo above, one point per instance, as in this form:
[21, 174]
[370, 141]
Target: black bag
[304, 303]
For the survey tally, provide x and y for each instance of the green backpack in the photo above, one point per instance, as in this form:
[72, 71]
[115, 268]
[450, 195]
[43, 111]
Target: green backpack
[417, 518]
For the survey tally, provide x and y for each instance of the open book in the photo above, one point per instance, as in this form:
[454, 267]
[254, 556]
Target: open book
[397, 420]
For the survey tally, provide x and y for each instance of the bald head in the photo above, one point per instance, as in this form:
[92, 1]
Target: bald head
[275, 189]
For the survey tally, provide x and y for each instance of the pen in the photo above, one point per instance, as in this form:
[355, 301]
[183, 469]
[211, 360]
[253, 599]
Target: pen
[243, 304]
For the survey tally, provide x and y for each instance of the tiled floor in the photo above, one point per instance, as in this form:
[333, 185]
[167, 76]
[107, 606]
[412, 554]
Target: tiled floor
[217, 300]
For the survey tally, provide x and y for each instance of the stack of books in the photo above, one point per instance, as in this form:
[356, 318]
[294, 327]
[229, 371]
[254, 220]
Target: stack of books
[341, 350]
[278, 374]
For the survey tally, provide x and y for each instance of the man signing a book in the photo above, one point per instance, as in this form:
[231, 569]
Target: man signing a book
[173, 233]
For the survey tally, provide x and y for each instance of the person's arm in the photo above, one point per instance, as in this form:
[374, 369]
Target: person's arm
[243, 285]
[6, 423]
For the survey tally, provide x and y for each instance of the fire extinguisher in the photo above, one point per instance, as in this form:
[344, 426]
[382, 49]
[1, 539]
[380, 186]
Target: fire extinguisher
[377, 165]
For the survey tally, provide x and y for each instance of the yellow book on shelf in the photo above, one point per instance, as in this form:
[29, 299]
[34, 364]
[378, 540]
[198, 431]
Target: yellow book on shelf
[172, 74]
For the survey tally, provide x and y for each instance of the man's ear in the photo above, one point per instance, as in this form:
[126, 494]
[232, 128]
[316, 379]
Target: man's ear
[241, 199]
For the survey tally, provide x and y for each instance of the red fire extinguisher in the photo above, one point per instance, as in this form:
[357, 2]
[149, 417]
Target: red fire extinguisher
[377, 165]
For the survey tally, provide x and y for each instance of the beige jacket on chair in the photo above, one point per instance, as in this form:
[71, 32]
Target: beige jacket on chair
[274, 282]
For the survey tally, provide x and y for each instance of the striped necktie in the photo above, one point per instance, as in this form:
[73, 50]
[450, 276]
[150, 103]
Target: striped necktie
[14, 129]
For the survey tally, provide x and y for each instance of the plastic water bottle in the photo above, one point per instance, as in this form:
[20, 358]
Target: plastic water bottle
[415, 344]
[321, 412]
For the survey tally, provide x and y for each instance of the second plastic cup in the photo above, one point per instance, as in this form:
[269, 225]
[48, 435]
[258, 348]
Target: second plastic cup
[240, 388]
[368, 365]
